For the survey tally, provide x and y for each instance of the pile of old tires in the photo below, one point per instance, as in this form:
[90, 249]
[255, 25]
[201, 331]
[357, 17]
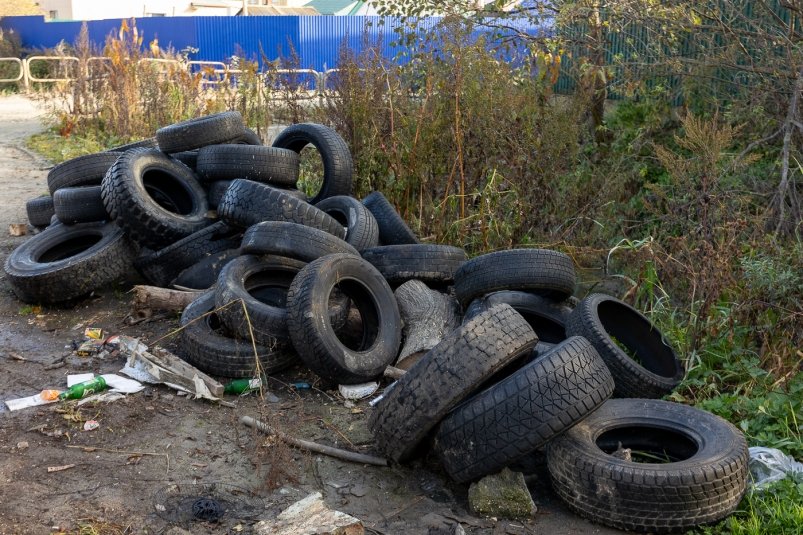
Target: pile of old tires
[335, 284]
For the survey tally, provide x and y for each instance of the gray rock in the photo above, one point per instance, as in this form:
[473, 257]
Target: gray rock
[502, 495]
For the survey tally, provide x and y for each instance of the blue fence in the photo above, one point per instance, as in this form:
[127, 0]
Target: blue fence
[315, 40]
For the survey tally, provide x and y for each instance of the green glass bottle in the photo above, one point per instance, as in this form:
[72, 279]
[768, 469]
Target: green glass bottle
[87, 388]
[241, 386]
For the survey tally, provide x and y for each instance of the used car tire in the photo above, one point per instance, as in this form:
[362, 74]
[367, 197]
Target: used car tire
[40, 210]
[203, 274]
[362, 232]
[207, 346]
[519, 414]
[431, 264]
[539, 271]
[247, 203]
[337, 163]
[79, 205]
[162, 266]
[267, 165]
[315, 337]
[148, 143]
[649, 369]
[392, 228]
[453, 370]
[703, 481]
[261, 284]
[86, 170]
[155, 199]
[547, 317]
[64, 262]
[292, 240]
[196, 133]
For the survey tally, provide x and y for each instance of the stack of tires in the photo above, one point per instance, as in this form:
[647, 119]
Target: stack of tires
[289, 280]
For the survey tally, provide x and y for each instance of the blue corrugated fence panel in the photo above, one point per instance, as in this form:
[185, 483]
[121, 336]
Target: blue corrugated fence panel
[220, 38]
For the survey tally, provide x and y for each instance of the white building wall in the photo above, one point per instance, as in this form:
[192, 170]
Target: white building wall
[118, 9]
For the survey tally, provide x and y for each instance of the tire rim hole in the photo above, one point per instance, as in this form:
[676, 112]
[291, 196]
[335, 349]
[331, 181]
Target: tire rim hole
[168, 191]
[639, 340]
[310, 177]
[68, 248]
[361, 330]
[270, 286]
[547, 330]
[647, 444]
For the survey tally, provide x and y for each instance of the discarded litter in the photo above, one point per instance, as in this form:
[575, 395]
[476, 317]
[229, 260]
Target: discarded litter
[768, 465]
[42, 398]
[84, 389]
[242, 386]
[310, 515]
[91, 425]
[355, 392]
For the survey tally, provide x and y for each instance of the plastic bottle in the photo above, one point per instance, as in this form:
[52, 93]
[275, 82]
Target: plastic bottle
[82, 390]
[242, 386]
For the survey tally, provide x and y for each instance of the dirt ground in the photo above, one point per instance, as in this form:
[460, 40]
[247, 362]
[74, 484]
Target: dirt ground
[155, 438]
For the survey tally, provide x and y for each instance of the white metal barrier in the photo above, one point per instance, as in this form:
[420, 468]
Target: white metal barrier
[215, 72]
[19, 64]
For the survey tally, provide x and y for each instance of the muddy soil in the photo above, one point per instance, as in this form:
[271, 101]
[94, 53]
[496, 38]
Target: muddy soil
[156, 438]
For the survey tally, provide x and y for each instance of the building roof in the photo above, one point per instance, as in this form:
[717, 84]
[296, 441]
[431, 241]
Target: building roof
[280, 10]
[330, 7]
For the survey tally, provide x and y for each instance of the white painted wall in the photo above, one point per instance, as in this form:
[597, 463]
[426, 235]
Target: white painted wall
[117, 9]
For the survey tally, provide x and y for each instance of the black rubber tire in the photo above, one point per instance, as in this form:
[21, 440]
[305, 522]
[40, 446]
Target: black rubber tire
[163, 266]
[313, 334]
[247, 203]
[392, 228]
[605, 320]
[521, 413]
[431, 264]
[215, 192]
[149, 143]
[247, 137]
[40, 210]
[452, 371]
[292, 240]
[540, 271]
[268, 165]
[155, 199]
[547, 317]
[204, 273]
[64, 262]
[705, 483]
[79, 205]
[239, 283]
[193, 134]
[362, 232]
[86, 170]
[337, 163]
[188, 158]
[208, 347]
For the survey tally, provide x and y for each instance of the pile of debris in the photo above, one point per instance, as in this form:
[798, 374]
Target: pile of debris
[495, 358]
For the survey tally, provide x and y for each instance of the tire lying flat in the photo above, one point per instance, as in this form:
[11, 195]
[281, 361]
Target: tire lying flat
[540, 271]
[703, 482]
[193, 134]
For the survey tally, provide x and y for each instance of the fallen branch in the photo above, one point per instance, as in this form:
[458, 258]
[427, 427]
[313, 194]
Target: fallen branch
[90, 449]
[313, 446]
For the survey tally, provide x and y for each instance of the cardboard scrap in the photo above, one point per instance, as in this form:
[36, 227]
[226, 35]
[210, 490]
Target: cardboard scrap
[160, 366]
[310, 516]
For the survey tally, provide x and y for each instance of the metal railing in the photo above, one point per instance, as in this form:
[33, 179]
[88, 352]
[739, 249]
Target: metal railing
[305, 83]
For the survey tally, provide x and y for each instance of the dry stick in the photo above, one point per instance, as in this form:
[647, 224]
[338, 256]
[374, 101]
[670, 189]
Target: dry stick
[313, 446]
[90, 449]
